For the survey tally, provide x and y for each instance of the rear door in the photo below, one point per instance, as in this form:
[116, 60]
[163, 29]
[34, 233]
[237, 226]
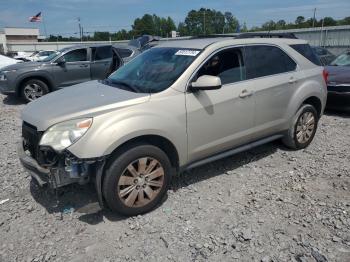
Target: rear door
[274, 77]
[76, 68]
[101, 61]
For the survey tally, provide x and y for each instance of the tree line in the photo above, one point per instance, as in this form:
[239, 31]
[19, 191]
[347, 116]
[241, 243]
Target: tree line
[199, 22]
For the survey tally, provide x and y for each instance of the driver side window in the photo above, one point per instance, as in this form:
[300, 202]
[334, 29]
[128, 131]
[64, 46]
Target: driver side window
[77, 55]
[228, 65]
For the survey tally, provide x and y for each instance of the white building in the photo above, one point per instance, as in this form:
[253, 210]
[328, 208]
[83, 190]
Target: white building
[11, 35]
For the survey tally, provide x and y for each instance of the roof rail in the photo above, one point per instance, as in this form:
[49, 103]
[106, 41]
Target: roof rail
[267, 35]
[213, 36]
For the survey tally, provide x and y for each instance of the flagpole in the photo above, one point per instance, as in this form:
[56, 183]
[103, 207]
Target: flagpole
[42, 19]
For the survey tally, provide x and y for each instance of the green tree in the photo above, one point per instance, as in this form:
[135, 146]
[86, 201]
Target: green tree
[345, 21]
[231, 23]
[101, 36]
[269, 25]
[281, 24]
[329, 21]
[300, 20]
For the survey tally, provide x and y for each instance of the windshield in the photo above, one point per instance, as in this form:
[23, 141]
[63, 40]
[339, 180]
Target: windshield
[154, 70]
[342, 60]
[51, 57]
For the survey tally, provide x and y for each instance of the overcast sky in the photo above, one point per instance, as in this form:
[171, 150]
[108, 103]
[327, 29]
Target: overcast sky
[111, 15]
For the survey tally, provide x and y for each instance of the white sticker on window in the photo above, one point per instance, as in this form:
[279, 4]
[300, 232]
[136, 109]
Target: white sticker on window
[187, 52]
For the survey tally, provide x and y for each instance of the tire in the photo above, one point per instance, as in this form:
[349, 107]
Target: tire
[300, 135]
[135, 192]
[34, 89]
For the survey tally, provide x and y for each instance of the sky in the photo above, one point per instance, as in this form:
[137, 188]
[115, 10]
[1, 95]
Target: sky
[60, 16]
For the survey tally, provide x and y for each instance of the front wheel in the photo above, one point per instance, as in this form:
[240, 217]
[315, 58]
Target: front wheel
[137, 180]
[304, 127]
[34, 89]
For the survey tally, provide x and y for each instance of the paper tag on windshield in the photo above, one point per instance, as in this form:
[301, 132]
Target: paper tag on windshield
[187, 52]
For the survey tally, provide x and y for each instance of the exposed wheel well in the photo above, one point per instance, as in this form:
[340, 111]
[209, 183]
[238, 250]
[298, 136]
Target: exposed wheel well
[158, 141]
[20, 84]
[314, 101]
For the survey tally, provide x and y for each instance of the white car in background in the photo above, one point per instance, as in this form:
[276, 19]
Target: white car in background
[38, 56]
[6, 61]
[23, 56]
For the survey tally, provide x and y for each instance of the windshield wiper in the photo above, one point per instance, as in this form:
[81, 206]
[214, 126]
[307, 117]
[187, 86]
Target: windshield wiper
[122, 83]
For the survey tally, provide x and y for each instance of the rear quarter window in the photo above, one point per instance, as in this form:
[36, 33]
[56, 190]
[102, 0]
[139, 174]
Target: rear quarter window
[306, 51]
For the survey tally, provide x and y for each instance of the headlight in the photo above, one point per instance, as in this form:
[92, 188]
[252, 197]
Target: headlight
[3, 74]
[62, 135]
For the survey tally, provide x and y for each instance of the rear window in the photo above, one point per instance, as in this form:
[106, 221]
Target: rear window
[306, 51]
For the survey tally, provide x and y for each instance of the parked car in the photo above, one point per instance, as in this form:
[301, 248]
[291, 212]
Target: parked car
[22, 56]
[6, 61]
[144, 42]
[324, 55]
[38, 56]
[176, 106]
[339, 82]
[66, 67]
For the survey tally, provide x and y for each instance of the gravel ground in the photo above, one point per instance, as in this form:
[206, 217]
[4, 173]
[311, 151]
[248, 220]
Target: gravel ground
[267, 204]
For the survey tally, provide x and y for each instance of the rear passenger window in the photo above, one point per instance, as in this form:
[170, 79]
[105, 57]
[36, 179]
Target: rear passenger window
[227, 64]
[267, 60]
[307, 52]
[103, 52]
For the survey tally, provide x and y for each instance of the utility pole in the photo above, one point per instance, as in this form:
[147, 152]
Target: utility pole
[80, 30]
[313, 21]
[204, 22]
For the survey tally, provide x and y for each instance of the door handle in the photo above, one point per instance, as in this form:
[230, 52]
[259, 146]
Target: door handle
[245, 93]
[292, 80]
[83, 65]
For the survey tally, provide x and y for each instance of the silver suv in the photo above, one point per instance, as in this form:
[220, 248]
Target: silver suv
[176, 106]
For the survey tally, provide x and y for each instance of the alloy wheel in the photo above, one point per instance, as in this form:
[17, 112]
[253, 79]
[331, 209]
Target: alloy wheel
[305, 127]
[32, 92]
[140, 182]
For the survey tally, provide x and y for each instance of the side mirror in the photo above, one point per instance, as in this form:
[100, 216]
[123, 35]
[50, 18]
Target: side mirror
[60, 61]
[206, 82]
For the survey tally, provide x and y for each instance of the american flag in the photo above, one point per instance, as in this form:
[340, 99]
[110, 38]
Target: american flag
[36, 18]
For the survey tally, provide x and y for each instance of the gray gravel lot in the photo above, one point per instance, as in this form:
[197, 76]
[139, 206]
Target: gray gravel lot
[267, 204]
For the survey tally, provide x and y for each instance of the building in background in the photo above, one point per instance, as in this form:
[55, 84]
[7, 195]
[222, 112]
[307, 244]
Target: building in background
[13, 35]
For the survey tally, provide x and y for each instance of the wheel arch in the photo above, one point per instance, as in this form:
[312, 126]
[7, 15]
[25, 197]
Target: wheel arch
[316, 103]
[156, 140]
[45, 79]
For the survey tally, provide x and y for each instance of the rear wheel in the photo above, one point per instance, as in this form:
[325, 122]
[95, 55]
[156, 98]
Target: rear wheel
[301, 134]
[34, 89]
[137, 180]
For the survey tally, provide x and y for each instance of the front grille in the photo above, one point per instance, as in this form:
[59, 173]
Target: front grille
[31, 139]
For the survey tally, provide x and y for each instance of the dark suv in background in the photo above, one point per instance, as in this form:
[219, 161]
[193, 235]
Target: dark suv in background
[66, 67]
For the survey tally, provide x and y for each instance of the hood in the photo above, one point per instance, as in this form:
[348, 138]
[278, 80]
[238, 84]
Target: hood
[338, 75]
[6, 61]
[83, 100]
[24, 65]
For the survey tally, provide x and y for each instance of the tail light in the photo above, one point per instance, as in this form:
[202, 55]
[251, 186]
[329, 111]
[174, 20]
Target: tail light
[325, 75]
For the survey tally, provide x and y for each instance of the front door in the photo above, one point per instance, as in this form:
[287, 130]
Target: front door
[218, 120]
[74, 70]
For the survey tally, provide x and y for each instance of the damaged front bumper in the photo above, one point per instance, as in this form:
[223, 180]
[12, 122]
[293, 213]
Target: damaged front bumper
[64, 171]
